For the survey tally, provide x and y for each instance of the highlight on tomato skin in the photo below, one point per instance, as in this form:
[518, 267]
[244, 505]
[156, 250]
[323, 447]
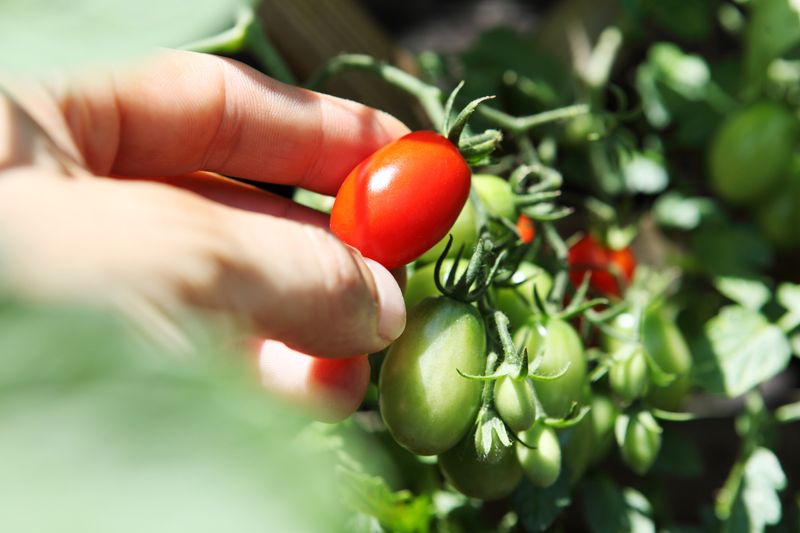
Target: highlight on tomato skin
[401, 200]
[327, 389]
[607, 267]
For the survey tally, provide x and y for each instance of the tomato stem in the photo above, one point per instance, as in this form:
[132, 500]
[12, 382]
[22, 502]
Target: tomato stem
[429, 96]
[520, 125]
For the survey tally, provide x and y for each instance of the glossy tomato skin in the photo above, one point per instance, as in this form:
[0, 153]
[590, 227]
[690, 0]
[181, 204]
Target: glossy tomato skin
[464, 232]
[669, 351]
[464, 469]
[606, 266]
[515, 402]
[496, 195]
[641, 442]
[401, 200]
[562, 349]
[426, 404]
[541, 458]
[526, 228]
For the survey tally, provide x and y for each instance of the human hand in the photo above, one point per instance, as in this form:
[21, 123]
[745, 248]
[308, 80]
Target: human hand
[160, 236]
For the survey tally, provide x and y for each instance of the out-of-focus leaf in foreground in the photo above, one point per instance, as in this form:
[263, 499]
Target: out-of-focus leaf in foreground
[40, 34]
[101, 433]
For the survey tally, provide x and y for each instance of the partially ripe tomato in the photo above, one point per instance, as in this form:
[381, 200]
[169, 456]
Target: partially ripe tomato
[328, 389]
[401, 200]
[607, 267]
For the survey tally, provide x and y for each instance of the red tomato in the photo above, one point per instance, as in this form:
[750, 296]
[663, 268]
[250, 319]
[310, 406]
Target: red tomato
[608, 267]
[401, 200]
[327, 389]
[526, 229]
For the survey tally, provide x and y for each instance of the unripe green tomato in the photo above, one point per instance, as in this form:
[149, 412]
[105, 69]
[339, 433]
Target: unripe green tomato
[590, 439]
[642, 442]
[664, 342]
[426, 404]
[670, 397]
[562, 349]
[778, 216]
[541, 458]
[629, 377]
[517, 302]
[463, 468]
[464, 232]
[515, 403]
[420, 283]
[624, 326]
[669, 351]
[751, 152]
[496, 195]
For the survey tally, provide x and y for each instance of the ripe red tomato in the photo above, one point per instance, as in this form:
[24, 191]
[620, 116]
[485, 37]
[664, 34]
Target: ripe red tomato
[526, 229]
[607, 266]
[398, 202]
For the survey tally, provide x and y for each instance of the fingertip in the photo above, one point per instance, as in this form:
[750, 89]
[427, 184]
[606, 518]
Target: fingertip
[391, 306]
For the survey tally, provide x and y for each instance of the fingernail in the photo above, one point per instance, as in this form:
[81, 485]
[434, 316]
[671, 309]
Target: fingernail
[391, 307]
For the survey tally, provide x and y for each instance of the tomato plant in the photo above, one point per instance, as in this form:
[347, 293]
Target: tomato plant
[518, 302]
[426, 404]
[515, 402]
[401, 200]
[464, 232]
[610, 270]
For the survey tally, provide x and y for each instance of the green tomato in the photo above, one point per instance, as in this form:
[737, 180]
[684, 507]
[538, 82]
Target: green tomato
[517, 302]
[751, 152]
[669, 351]
[421, 285]
[562, 349]
[586, 443]
[629, 377]
[463, 468]
[641, 442]
[426, 404]
[778, 217]
[496, 195]
[515, 402]
[464, 232]
[624, 327]
[541, 458]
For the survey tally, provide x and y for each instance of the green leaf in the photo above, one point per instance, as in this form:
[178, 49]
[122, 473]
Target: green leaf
[398, 511]
[103, 432]
[741, 350]
[41, 34]
[608, 508]
[774, 28]
[674, 210]
[757, 503]
[788, 295]
[643, 174]
[537, 507]
[686, 74]
[731, 250]
[748, 292]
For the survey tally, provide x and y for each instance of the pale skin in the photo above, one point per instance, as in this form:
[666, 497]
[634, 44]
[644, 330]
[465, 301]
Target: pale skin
[111, 193]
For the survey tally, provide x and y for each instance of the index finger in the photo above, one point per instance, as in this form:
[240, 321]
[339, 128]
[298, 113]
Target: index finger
[182, 112]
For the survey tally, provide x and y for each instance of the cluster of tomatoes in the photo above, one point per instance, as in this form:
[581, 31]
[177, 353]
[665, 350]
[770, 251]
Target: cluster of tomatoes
[496, 404]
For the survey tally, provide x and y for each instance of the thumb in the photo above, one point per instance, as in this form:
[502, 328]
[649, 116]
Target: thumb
[310, 290]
